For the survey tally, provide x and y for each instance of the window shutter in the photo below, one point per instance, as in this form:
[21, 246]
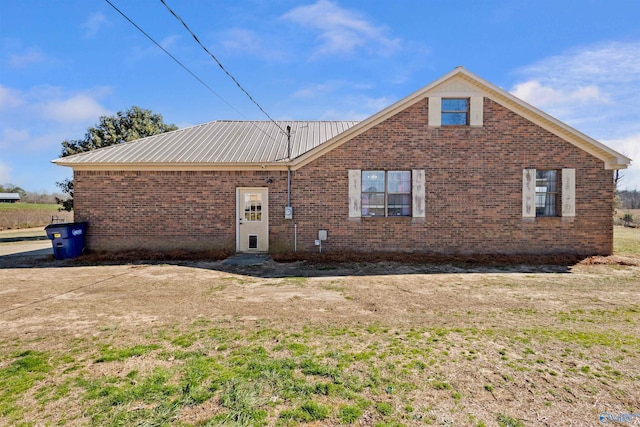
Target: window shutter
[528, 193]
[355, 190]
[568, 192]
[476, 111]
[435, 111]
[418, 193]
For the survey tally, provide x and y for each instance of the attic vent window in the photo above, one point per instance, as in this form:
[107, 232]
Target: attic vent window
[455, 112]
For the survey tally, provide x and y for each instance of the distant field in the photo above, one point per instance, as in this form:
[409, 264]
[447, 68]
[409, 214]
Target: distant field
[626, 240]
[27, 215]
[620, 213]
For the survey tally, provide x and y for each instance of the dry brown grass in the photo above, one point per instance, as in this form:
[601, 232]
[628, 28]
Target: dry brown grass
[102, 257]
[28, 215]
[420, 258]
[192, 344]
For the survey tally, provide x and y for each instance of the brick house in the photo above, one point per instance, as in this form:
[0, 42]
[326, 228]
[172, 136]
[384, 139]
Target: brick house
[458, 167]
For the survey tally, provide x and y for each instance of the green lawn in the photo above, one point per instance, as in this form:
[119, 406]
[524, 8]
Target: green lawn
[29, 206]
[626, 240]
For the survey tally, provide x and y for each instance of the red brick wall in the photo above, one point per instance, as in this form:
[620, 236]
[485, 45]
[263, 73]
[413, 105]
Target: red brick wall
[473, 189]
[473, 195]
[166, 209]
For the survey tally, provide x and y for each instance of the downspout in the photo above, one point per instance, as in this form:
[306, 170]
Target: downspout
[289, 165]
[295, 226]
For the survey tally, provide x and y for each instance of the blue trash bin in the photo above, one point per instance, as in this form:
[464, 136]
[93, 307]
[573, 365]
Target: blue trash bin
[67, 239]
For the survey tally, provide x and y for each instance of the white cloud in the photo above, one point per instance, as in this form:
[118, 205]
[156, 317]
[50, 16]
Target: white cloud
[39, 119]
[5, 173]
[374, 105]
[320, 89]
[313, 91]
[595, 89]
[11, 136]
[329, 87]
[30, 56]
[240, 40]
[342, 31]
[150, 50]
[600, 63]
[542, 96]
[79, 107]
[357, 107]
[170, 41]
[94, 24]
[10, 98]
[630, 147]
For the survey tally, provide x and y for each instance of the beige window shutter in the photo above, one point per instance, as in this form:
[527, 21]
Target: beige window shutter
[568, 192]
[418, 193]
[528, 193]
[355, 193]
[476, 111]
[435, 111]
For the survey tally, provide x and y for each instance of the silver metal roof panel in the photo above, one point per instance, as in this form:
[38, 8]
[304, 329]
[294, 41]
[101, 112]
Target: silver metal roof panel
[218, 142]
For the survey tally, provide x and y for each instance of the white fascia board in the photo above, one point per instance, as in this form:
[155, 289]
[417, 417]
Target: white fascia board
[177, 166]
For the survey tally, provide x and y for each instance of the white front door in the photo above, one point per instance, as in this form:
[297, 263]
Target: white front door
[252, 228]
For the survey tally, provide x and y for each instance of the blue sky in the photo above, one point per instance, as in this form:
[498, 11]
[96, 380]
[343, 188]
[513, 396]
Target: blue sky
[63, 64]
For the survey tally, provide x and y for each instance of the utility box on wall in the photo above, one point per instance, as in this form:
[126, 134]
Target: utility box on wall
[322, 235]
[288, 212]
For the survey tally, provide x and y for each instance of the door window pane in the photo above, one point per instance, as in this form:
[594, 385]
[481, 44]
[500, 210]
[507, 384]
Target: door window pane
[253, 207]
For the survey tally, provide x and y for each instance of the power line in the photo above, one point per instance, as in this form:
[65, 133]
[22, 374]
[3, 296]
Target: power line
[184, 24]
[194, 75]
[171, 56]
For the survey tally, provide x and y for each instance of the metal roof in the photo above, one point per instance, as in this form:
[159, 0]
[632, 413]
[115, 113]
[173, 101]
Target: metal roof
[10, 196]
[217, 142]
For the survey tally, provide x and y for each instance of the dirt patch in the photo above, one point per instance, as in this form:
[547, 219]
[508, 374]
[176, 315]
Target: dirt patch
[448, 344]
[611, 260]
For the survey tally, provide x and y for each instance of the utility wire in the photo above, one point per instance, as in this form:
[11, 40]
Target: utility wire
[195, 76]
[170, 55]
[184, 24]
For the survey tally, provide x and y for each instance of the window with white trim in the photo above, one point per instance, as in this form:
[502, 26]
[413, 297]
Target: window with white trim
[386, 193]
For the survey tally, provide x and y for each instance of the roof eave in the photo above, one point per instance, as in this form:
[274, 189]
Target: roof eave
[280, 166]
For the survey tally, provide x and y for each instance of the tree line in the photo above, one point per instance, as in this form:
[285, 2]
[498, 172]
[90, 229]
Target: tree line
[629, 199]
[31, 196]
